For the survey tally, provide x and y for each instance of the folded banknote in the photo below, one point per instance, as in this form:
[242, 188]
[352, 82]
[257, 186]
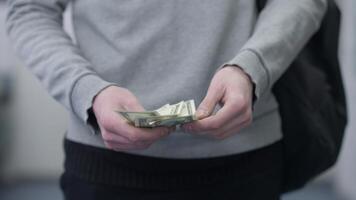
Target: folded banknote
[167, 115]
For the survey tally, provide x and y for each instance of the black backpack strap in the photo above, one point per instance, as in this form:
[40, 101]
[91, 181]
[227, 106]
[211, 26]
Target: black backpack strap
[312, 104]
[260, 4]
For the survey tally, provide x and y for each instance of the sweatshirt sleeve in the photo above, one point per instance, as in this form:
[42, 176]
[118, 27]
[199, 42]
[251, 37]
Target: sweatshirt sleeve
[35, 28]
[283, 27]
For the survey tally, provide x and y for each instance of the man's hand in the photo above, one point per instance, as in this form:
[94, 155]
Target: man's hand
[231, 88]
[116, 132]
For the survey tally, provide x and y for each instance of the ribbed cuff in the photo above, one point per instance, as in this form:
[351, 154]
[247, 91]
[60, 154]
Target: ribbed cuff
[252, 65]
[83, 94]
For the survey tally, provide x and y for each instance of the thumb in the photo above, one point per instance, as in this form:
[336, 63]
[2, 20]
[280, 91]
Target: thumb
[134, 106]
[137, 108]
[208, 104]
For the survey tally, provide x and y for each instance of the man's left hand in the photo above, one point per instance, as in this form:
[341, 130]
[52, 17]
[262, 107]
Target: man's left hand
[232, 88]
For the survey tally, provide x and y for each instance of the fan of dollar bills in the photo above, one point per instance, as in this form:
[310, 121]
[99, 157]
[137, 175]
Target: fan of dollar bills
[167, 115]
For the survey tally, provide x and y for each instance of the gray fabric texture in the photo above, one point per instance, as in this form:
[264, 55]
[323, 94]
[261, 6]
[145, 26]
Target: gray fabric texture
[164, 51]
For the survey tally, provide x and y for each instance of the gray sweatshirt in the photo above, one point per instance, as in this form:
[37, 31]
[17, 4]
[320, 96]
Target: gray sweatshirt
[163, 51]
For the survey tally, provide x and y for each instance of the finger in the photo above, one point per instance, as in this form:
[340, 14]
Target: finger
[235, 124]
[230, 132]
[135, 134]
[208, 104]
[227, 113]
[119, 126]
[149, 134]
[114, 141]
[133, 105]
[230, 125]
[115, 138]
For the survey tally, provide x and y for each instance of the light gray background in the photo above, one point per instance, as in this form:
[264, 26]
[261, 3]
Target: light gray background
[39, 123]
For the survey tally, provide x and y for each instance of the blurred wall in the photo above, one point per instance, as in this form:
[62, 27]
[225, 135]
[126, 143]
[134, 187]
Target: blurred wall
[345, 173]
[38, 122]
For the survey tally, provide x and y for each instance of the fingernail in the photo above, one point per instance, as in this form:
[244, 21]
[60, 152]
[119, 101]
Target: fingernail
[201, 113]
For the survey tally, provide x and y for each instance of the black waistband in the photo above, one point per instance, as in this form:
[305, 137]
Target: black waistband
[104, 166]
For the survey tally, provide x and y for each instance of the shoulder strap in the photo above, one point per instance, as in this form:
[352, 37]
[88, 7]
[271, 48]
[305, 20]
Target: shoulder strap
[260, 4]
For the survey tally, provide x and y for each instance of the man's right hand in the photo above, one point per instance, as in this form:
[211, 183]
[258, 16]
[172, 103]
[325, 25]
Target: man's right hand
[116, 132]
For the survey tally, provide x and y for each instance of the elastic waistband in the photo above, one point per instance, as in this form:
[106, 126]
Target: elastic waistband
[104, 166]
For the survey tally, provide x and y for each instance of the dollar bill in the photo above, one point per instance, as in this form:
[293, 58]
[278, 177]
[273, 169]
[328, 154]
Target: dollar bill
[131, 116]
[167, 122]
[167, 115]
[152, 121]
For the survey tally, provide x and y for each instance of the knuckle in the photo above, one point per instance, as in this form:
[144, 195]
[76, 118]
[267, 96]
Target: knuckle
[131, 103]
[249, 120]
[106, 124]
[214, 125]
[235, 103]
[238, 97]
[247, 123]
[243, 105]
[214, 87]
[248, 117]
[109, 124]
[125, 92]
[106, 136]
[108, 145]
[159, 133]
[206, 107]
[134, 137]
[240, 102]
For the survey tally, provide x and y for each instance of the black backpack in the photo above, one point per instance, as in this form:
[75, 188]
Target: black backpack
[312, 105]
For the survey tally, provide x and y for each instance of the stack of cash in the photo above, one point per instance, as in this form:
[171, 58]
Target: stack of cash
[167, 115]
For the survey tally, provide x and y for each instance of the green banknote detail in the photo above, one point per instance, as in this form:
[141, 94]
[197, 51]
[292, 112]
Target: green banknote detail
[167, 115]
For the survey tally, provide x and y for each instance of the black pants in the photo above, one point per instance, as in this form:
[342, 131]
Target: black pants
[254, 181]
